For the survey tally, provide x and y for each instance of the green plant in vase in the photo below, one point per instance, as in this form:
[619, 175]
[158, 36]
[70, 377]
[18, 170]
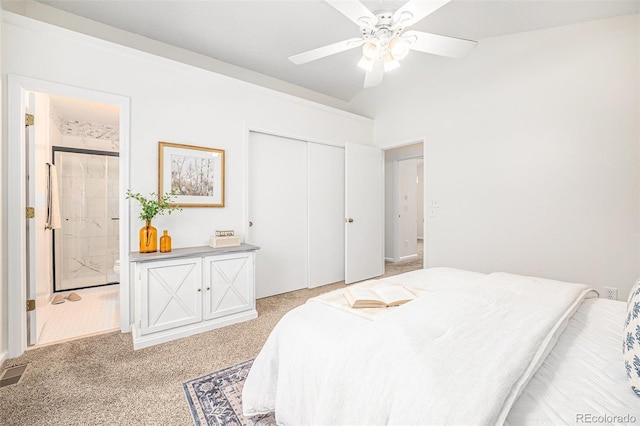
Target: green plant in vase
[152, 206]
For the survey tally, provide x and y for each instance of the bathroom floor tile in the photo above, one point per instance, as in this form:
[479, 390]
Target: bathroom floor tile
[98, 311]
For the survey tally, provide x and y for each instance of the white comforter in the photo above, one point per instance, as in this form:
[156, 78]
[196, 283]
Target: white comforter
[459, 354]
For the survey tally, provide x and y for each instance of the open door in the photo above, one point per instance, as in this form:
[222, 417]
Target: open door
[364, 213]
[33, 330]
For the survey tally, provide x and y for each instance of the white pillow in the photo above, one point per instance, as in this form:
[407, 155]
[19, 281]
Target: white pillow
[631, 339]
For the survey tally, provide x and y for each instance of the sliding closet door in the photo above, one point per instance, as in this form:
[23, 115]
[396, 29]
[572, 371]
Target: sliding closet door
[326, 214]
[278, 212]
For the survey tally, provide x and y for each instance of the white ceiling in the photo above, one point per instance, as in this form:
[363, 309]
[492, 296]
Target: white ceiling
[261, 35]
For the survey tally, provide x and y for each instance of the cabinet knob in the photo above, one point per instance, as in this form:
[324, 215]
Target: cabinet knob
[208, 288]
[199, 289]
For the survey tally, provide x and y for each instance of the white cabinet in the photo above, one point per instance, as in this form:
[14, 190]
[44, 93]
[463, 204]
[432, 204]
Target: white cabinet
[228, 284]
[191, 290]
[170, 294]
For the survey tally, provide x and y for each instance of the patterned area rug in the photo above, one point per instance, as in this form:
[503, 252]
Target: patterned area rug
[216, 398]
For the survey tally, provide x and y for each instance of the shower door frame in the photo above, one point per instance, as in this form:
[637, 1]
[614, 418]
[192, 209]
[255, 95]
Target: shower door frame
[55, 149]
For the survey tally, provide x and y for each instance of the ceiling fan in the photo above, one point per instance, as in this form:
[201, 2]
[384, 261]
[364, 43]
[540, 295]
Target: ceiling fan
[384, 40]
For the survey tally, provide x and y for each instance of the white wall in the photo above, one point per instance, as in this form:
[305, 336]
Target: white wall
[175, 103]
[532, 151]
[172, 102]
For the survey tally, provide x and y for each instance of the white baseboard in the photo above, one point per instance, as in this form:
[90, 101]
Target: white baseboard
[411, 256]
[392, 260]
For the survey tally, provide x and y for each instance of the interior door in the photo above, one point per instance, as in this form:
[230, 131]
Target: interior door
[277, 207]
[33, 330]
[364, 204]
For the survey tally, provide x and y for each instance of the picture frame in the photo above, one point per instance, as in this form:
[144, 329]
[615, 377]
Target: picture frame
[194, 174]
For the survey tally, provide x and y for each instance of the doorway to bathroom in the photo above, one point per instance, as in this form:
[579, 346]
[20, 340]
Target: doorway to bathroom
[75, 168]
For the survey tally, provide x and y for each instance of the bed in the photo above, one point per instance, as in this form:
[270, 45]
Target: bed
[471, 349]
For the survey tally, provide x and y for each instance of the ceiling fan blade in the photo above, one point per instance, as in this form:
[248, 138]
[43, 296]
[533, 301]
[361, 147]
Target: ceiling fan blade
[439, 45]
[321, 52]
[355, 11]
[415, 10]
[374, 77]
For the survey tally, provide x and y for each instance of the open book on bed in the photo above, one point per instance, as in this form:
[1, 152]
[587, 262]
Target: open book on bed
[380, 296]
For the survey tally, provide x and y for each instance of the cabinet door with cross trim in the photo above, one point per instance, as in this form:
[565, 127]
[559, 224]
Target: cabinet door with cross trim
[170, 294]
[228, 284]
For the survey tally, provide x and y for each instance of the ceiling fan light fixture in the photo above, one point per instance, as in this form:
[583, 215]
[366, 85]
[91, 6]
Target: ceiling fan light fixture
[390, 63]
[370, 50]
[398, 48]
[405, 18]
[383, 39]
[366, 64]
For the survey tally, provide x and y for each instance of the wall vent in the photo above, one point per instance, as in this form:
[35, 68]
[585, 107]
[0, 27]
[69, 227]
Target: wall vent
[12, 375]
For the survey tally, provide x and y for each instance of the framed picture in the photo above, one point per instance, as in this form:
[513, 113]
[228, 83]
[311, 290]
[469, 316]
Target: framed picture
[194, 174]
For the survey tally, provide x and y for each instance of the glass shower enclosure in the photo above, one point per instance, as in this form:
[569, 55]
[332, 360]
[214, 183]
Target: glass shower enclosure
[86, 247]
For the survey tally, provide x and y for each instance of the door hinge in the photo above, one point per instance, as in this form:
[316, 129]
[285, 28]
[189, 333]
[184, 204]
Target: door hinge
[31, 305]
[29, 120]
[30, 213]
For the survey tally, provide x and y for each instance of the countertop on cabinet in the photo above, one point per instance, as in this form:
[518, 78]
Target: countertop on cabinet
[199, 251]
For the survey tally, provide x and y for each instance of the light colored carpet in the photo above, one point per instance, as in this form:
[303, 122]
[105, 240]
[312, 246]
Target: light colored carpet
[406, 265]
[100, 380]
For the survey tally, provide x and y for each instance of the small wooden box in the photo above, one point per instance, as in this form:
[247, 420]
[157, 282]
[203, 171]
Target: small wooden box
[225, 241]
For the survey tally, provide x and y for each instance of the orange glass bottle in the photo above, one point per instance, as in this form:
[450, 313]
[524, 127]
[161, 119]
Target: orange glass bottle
[165, 242]
[148, 238]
